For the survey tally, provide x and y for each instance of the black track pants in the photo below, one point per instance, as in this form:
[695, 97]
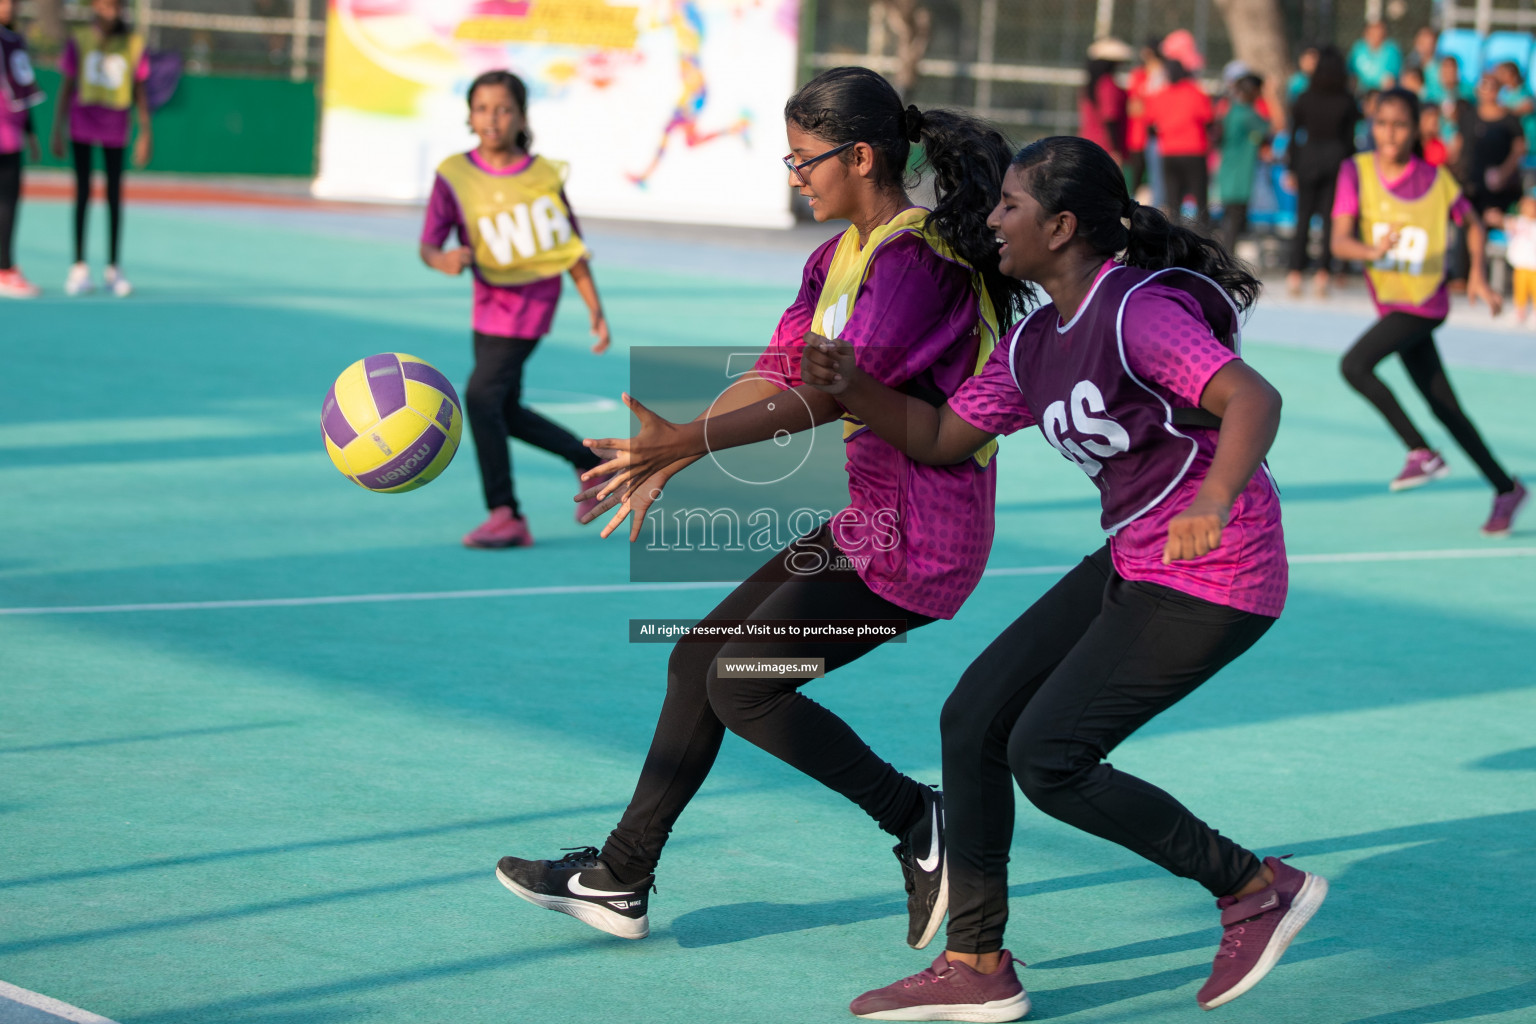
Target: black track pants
[112, 161]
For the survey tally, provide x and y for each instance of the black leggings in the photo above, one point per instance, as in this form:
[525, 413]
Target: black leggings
[701, 705]
[112, 160]
[1188, 176]
[1413, 337]
[1313, 196]
[1234, 221]
[493, 402]
[1089, 663]
[10, 198]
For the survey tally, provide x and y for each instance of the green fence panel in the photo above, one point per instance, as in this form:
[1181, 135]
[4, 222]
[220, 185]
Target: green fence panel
[220, 125]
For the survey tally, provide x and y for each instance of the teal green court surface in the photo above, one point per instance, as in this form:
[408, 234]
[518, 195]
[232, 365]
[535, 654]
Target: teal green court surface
[263, 735]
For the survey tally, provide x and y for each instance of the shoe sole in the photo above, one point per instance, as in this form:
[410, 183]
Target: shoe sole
[1419, 481]
[586, 913]
[1311, 895]
[996, 1012]
[940, 908]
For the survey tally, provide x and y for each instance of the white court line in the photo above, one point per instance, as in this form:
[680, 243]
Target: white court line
[1446, 554]
[38, 1001]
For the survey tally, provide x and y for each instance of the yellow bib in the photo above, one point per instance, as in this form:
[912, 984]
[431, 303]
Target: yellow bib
[107, 68]
[519, 226]
[845, 278]
[1412, 271]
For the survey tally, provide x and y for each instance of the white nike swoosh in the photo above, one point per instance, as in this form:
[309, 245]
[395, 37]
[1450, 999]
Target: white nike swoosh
[574, 885]
[931, 862]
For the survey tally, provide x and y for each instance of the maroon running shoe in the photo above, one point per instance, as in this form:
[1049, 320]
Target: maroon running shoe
[949, 991]
[1257, 929]
[1505, 506]
[501, 530]
[1422, 466]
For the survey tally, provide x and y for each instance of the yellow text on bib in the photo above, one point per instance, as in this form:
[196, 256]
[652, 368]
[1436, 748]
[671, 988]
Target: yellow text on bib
[519, 226]
[1411, 272]
[845, 278]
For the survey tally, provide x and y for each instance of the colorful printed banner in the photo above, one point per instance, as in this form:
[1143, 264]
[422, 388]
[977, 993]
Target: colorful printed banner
[665, 109]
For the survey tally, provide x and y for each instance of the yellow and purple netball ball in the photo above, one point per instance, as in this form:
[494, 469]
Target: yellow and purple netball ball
[391, 422]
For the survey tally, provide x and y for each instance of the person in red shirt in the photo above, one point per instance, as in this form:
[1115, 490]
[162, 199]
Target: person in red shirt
[1101, 104]
[1144, 82]
[1181, 116]
[1429, 131]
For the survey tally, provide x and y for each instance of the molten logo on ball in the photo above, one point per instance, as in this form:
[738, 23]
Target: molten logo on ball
[385, 404]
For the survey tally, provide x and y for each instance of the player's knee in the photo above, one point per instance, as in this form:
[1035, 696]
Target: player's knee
[1044, 768]
[962, 721]
[740, 702]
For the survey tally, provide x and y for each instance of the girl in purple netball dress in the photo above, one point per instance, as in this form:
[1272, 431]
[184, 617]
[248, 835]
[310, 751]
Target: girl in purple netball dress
[918, 293]
[1132, 373]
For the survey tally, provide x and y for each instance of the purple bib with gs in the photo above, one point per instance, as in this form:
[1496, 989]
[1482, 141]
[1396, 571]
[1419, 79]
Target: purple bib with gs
[1091, 407]
[18, 85]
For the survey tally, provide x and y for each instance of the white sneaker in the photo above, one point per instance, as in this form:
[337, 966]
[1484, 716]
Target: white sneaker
[118, 283]
[79, 280]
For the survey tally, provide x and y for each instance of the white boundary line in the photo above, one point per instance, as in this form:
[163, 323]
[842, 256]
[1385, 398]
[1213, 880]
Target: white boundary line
[1445, 554]
[38, 1001]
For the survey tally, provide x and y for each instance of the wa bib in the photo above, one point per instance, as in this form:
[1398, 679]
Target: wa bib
[519, 226]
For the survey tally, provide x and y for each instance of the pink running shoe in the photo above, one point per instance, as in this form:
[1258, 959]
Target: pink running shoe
[1505, 506]
[1422, 466]
[949, 991]
[501, 530]
[1257, 929]
[14, 286]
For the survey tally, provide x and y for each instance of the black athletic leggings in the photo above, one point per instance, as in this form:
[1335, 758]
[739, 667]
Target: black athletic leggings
[1089, 663]
[493, 402]
[1313, 196]
[112, 160]
[701, 704]
[10, 198]
[1187, 176]
[1413, 337]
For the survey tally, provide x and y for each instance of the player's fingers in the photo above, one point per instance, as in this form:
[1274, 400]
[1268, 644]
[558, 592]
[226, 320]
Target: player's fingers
[613, 524]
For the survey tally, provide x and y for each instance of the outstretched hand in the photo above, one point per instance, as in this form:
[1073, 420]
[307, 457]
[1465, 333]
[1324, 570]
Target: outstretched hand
[826, 363]
[1478, 290]
[636, 459]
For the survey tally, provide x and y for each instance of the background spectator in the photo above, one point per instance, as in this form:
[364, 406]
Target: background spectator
[1516, 96]
[1486, 153]
[1322, 137]
[1413, 80]
[1445, 86]
[1375, 60]
[1429, 136]
[1521, 254]
[1181, 115]
[1422, 56]
[1243, 133]
[1145, 81]
[1305, 65]
[1102, 102]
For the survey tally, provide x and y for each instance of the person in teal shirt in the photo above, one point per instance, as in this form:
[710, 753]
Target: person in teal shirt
[1305, 65]
[1243, 132]
[1515, 94]
[1375, 60]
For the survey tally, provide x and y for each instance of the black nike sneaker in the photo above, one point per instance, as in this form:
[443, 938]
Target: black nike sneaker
[579, 884]
[925, 869]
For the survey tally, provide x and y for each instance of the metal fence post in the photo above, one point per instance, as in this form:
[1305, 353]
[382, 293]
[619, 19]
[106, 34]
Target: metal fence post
[300, 48]
[986, 52]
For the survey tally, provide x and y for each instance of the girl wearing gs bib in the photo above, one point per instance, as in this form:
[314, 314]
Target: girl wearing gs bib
[104, 68]
[1391, 213]
[918, 294]
[518, 235]
[18, 95]
[1132, 373]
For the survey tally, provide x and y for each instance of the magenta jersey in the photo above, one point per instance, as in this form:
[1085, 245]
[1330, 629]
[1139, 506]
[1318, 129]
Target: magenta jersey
[1144, 350]
[1418, 179]
[919, 535]
[506, 311]
[93, 125]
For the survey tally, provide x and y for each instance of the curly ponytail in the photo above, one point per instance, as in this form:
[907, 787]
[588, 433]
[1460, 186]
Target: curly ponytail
[1067, 173]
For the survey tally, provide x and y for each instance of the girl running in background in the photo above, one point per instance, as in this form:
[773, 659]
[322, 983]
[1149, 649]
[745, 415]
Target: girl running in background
[518, 234]
[1132, 373]
[18, 95]
[104, 68]
[1391, 212]
[918, 294]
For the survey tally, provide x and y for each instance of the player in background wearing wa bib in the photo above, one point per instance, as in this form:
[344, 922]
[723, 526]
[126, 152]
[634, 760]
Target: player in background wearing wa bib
[919, 294]
[1390, 211]
[1126, 372]
[104, 68]
[18, 95]
[518, 235]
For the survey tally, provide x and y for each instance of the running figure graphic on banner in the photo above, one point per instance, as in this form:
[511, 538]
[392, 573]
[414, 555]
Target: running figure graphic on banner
[688, 25]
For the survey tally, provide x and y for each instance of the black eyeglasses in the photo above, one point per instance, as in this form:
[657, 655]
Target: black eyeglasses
[798, 170]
